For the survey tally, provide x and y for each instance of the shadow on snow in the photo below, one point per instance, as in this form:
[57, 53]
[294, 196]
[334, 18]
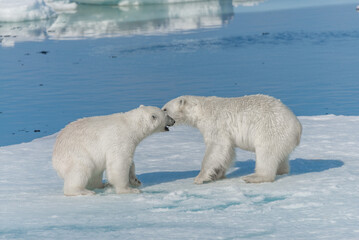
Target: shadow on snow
[297, 166]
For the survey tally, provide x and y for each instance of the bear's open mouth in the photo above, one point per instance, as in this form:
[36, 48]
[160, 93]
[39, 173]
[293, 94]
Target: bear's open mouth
[170, 122]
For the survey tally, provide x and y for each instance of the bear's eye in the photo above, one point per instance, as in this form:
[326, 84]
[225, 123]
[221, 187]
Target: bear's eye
[154, 117]
[165, 109]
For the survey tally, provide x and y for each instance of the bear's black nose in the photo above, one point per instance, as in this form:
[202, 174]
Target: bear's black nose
[170, 121]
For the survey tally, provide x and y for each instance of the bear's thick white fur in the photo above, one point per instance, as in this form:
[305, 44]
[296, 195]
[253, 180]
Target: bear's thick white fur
[257, 123]
[88, 146]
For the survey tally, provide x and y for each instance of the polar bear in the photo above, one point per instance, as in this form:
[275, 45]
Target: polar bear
[257, 123]
[88, 146]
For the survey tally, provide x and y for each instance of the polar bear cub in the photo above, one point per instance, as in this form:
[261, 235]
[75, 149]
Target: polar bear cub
[88, 146]
[257, 123]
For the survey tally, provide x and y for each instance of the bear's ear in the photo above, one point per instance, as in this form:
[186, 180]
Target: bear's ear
[141, 106]
[182, 102]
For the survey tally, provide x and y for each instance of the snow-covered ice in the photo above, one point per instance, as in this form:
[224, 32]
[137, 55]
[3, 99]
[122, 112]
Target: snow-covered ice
[319, 199]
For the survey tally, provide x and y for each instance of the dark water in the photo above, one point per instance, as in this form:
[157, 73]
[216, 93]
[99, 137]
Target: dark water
[102, 60]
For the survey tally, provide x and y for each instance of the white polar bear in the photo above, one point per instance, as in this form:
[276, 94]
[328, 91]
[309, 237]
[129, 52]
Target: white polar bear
[257, 123]
[88, 146]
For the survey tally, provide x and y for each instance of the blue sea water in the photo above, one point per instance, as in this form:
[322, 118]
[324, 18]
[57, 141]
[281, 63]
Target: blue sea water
[104, 59]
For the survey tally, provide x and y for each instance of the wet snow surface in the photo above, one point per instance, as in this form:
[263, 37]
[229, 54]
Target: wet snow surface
[318, 199]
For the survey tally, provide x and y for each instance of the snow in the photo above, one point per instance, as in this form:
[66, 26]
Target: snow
[318, 199]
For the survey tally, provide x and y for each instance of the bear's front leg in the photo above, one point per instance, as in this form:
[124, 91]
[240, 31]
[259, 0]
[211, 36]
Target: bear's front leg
[216, 160]
[118, 166]
[133, 179]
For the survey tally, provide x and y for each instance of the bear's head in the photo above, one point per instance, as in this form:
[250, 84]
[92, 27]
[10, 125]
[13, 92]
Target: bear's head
[182, 109]
[155, 119]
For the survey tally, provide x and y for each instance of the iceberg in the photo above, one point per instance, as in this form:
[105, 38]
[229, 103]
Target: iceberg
[62, 5]
[132, 2]
[64, 20]
[25, 10]
[106, 21]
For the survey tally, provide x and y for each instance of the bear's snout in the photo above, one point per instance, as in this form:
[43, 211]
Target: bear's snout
[169, 122]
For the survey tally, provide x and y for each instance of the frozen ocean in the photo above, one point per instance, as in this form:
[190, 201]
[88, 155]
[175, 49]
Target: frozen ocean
[61, 60]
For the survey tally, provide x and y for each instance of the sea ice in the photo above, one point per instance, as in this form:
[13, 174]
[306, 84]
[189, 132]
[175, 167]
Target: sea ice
[318, 199]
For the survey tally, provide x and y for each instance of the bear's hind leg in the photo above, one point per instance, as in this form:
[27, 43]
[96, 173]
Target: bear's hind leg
[75, 184]
[118, 171]
[266, 167]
